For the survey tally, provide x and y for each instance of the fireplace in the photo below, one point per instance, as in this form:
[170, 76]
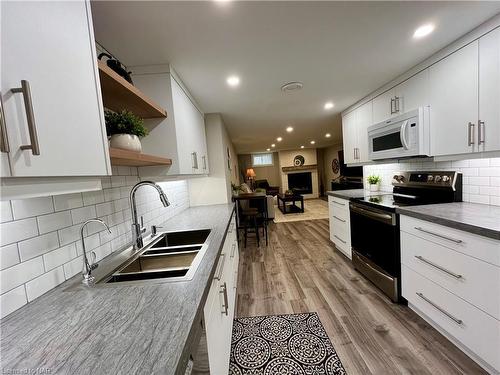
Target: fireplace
[300, 183]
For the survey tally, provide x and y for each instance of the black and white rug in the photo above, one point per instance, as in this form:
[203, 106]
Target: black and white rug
[295, 344]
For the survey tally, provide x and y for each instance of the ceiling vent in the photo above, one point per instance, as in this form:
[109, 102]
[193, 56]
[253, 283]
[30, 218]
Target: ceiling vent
[292, 86]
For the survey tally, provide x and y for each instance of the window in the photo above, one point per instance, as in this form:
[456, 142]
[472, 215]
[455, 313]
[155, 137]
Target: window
[259, 160]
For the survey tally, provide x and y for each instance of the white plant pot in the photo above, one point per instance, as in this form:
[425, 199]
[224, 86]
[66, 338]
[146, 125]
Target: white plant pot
[126, 142]
[374, 187]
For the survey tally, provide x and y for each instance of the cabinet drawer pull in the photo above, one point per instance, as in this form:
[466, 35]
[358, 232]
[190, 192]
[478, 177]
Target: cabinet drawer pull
[392, 106]
[30, 116]
[455, 275]
[480, 132]
[340, 239]
[233, 250]
[223, 291]
[396, 104]
[439, 308]
[204, 158]
[339, 219]
[340, 204]
[4, 141]
[194, 158]
[470, 135]
[218, 273]
[438, 235]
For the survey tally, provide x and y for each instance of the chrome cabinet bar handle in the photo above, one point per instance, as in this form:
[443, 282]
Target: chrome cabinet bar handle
[354, 152]
[30, 116]
[4, 140]
[218, 275]
[338, 238]
[392, 107]
[233, 250]
[439, 308]
[339, 219]
[480, 132]
[204, 158]
[455, 275]
[470, 130]
[225, 306]
[396, 104]
[340, 204]
[438, 235]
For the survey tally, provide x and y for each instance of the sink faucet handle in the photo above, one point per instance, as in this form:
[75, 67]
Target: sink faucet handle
[154, 230]
[142, 228]
[93, 264]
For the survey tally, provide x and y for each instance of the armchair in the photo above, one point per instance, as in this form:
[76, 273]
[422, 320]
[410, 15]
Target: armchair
[270, 190]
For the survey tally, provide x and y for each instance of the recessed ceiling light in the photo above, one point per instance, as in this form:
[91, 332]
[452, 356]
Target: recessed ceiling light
[291, 86]
[313, 142]
[289, 129]
[328, 135]
[423, 30]
[301, 146]
[233, 81]
[273, 145]
[328, 105]
[268, 149]
[279, 139]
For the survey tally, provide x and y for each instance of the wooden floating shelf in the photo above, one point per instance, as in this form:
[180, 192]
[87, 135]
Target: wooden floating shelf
[135, 159]
[299, 168]
[118, 94]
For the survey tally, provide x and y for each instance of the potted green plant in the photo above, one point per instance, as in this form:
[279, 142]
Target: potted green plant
[124, 129]
[374, 182]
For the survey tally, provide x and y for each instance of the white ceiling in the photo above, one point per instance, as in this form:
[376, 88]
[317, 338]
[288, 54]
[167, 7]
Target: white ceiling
[341, 51]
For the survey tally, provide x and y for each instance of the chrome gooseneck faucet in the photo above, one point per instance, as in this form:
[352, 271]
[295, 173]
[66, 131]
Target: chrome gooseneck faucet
[88, 279]
[138, 228]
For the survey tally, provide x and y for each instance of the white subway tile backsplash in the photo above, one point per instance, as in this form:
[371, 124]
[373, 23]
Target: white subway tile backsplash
[52, 222]
[15, 231]
[495, 162]
[68, 201]
[479, 181]
[37, 246]
[484, 199]
[23, 208]
[79, 215]
[495, 181]
[490, 171]
[12, 300]
[21, 273]
[38, 253]
[9, 256]
[479, 162]
[5, 211]
[36, 287]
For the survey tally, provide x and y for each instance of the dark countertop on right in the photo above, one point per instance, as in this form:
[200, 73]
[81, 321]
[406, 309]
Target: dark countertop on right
[480, 219]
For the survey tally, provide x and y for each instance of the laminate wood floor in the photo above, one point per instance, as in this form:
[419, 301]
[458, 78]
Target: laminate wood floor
[301, 271]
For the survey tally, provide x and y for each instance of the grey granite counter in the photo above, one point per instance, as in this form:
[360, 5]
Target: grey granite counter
[354, 193]
[475, 218]
[139, 329]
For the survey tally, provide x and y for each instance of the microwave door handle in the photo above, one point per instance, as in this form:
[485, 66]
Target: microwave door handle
[402, 135]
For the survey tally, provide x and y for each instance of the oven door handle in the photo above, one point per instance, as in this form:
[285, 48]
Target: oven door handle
[385, 218]
[402, 135]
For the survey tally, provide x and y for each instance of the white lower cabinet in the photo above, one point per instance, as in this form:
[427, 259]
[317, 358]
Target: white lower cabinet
[452, 279]
[340, 227]
[220, 306]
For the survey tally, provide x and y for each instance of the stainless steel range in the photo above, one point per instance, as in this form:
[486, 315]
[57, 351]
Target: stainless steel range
[375, 223]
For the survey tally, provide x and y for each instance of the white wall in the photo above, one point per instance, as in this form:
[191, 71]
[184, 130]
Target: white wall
[40, 237]
[216, 187]
[481, 177]
[329, 154]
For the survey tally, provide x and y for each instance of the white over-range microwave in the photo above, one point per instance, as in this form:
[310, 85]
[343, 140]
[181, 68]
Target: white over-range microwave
[403, 136]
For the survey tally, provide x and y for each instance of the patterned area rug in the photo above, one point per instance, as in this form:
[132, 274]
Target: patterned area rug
[313, 209]
[295, 344]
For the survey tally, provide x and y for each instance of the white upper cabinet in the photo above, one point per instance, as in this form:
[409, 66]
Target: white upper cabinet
[355, 134]
[180, 136]
[51, 93]
[454, 102]
[412, 93]
[488, 138]
[383, 106]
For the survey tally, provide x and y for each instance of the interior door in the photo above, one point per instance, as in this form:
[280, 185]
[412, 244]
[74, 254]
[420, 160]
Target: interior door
[453, 89]
[489, 92]
[363, 121]
[50, 46]
[349, 134]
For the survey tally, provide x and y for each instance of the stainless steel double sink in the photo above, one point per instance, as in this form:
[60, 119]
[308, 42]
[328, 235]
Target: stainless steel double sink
[174, 256]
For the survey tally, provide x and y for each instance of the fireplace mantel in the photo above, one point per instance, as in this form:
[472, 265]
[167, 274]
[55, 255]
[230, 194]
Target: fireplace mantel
[300, 168]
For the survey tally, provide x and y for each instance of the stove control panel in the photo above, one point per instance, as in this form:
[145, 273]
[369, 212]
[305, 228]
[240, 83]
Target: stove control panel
[434, 178]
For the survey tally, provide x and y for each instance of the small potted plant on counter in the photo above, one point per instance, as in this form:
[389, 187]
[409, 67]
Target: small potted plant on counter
[374, 182]
[124, 129]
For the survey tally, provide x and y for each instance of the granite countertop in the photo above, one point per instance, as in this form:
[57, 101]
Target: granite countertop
[354, 193]
[146, 329]
[475, 218]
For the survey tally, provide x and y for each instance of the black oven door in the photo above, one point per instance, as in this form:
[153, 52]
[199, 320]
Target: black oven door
[375, 235]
